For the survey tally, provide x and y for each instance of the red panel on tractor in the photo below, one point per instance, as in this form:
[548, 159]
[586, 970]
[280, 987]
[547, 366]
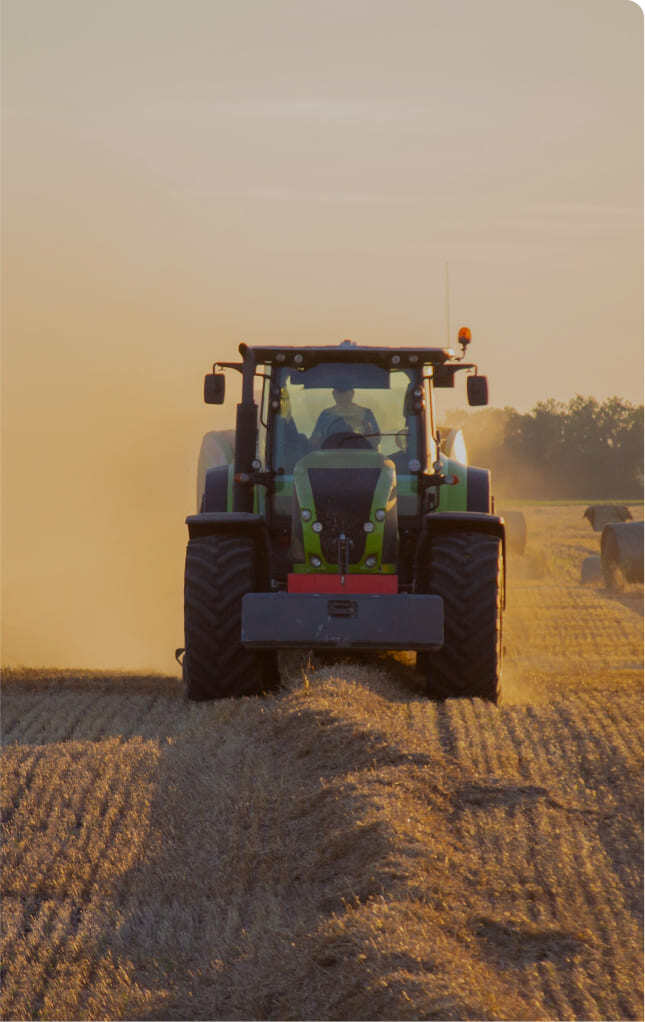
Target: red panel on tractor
[322, 583]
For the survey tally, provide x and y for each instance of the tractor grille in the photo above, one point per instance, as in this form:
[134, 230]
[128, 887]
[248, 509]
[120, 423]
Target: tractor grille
[343, 500]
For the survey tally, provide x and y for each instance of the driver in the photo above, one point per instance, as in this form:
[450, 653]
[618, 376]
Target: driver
[345, 417]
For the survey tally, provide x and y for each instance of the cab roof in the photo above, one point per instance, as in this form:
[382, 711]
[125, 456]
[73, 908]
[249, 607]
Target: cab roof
[309, 355]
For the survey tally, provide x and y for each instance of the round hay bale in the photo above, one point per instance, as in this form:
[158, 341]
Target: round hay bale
[600, 515]
[515, 531]
[621, 551]
[591, 570]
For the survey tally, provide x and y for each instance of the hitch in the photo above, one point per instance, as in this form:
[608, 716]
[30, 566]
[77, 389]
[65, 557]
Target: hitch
[343, 556]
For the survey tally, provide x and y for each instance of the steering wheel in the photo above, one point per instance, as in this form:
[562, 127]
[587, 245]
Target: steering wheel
[336, 441]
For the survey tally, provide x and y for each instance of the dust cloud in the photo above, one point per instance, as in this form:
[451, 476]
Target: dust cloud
[484, 432]
[103, 418]
[93, 562]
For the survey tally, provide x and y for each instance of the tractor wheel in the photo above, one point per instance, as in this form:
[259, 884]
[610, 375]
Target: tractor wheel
[466, 570]
[219, 571]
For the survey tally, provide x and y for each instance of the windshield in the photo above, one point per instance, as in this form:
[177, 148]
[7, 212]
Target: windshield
[331, 410]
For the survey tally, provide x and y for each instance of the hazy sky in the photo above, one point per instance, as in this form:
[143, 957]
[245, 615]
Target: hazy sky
[181, 176]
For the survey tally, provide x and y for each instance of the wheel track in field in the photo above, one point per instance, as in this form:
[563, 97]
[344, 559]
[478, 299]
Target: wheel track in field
[483, 751]
[61, 885]
[539, 814]
[578, 832]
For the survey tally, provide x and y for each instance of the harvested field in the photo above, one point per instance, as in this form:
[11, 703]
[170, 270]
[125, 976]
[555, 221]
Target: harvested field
[342, 849]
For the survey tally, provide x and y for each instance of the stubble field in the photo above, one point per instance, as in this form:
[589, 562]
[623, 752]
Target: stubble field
[342, 849]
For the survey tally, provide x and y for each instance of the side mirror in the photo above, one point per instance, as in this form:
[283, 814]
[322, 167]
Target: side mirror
[443, 376]
[477, 388]
[214, 388]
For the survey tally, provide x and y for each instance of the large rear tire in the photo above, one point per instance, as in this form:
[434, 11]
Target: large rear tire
[466, 570]
[220, 569]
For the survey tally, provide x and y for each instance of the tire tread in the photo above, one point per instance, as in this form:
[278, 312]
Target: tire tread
[219, 571]
[465, 569]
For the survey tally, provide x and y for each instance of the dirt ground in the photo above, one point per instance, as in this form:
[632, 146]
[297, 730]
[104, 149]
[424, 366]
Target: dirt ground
[344, 848]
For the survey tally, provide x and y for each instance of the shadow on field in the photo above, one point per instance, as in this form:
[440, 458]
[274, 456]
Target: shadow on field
[43, 706]
[40, 679]
[285, 831]
[631, 597]
[526, 943]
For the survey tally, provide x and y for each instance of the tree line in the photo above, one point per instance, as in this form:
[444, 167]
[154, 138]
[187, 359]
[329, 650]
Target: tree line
[583, 449]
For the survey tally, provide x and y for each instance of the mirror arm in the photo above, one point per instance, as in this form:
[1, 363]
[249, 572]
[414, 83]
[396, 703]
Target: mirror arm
[228, 365]
[464, 365]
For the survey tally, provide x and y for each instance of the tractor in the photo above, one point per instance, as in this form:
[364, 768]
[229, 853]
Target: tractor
[331, 520]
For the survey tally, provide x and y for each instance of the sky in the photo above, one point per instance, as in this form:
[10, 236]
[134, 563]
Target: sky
[182, 176]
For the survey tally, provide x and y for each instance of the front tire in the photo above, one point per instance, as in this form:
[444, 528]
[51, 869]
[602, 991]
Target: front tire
[220, 569]
[466, 570]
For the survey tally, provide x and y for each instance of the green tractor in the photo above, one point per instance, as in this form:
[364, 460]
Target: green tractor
[340, 525]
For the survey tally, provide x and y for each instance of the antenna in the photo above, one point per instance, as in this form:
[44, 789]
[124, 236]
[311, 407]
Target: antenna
[447, 305]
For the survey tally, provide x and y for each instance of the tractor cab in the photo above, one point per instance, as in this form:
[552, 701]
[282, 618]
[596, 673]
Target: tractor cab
[345, 442]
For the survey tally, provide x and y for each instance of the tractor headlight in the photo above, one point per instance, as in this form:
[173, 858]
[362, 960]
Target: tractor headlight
[368, 527]
[380, 515]
[316, 561]
[306, 515]
[370, 562]
[317, 526]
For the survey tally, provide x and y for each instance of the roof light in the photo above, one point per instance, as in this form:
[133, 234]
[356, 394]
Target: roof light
[370, 562]
[317, 527]
[368, 527]
[298, 359]
[315, 561]
[380, 515]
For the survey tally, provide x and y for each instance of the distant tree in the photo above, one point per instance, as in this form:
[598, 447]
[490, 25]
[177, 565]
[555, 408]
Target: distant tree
[581, 449]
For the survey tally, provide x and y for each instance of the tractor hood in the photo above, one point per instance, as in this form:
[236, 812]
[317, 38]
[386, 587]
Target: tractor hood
[344, 513]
